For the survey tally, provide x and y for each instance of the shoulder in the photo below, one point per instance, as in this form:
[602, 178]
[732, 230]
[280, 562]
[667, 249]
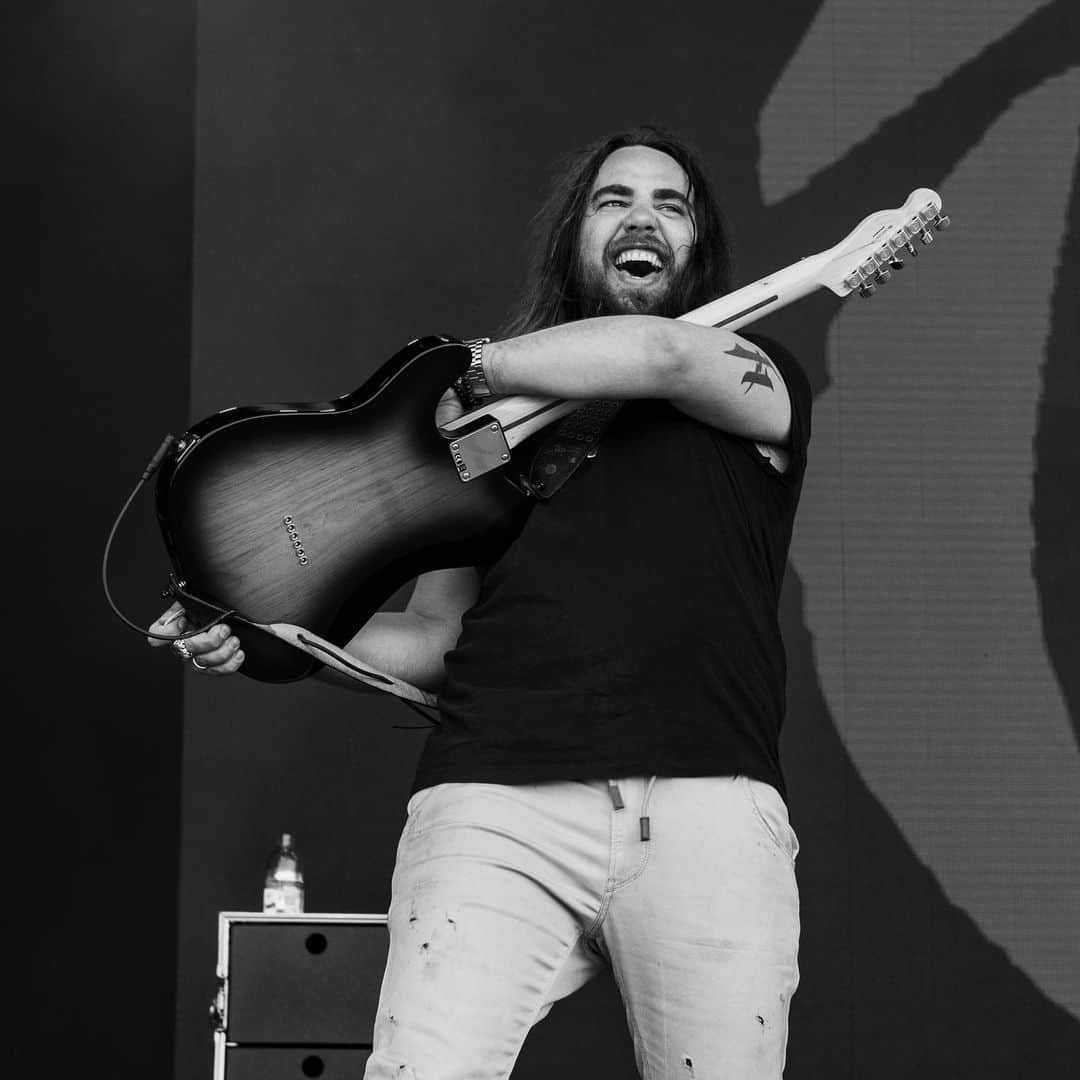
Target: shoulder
[798, 385]
[800, 394]
[790, 368]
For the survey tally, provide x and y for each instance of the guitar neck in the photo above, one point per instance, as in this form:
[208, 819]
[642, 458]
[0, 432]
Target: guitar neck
[760, 297]
[522, 415]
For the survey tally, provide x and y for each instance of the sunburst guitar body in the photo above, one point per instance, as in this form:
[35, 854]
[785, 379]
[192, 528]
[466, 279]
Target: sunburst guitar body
[315, 514]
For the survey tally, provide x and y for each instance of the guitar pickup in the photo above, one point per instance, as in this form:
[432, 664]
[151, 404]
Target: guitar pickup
[480, 450]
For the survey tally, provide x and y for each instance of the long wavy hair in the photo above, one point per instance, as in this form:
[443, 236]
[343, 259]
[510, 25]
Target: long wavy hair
[554, 295]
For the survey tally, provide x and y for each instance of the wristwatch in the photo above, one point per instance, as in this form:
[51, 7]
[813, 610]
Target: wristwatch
[472, 385]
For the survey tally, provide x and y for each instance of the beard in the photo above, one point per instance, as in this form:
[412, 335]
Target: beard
[597, 296]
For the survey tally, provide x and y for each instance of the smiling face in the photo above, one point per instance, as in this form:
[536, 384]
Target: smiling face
[637, 231]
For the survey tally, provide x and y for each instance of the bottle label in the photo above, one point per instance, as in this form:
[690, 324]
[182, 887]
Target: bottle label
[283, 899]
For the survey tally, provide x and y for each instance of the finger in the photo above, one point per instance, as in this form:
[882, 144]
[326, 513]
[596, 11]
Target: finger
[215, 654]
[174, 610]
[449, 408]
[210, 640]
[171, 622]
[197, 644]
[231, 665]
[222, 661]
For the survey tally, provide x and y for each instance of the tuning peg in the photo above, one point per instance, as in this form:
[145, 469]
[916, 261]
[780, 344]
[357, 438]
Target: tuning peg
[926, 236]
[883, 275]
[868, 289]
[896, 264]
[913, 251]
[941, 222]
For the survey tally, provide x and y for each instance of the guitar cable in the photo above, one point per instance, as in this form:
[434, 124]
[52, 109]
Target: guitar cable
[152, 467]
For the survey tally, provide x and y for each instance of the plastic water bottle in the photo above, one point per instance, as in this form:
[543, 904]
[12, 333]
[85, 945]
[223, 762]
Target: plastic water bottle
[283, 886]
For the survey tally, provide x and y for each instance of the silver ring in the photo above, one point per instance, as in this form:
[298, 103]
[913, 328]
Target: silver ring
[181, 649]
[197, 666]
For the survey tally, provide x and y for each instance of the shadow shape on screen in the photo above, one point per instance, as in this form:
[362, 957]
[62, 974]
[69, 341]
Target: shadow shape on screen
[897, 980]
[1055, 511]
[903, 975]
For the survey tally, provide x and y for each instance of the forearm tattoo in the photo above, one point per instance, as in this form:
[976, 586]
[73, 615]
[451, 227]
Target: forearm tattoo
[759, 376]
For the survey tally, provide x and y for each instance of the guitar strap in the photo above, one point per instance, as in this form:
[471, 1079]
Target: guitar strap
[564, 451]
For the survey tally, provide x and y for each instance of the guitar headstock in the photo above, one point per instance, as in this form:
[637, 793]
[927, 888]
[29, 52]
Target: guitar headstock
[866, 257]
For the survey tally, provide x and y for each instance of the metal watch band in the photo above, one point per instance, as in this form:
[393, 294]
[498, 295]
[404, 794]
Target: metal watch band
[471, 386]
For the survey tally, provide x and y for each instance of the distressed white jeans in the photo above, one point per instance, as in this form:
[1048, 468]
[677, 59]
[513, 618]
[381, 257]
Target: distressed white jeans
[508, 898]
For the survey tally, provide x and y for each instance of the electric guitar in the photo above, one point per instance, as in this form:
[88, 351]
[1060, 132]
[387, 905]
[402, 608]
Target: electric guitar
[297, 522]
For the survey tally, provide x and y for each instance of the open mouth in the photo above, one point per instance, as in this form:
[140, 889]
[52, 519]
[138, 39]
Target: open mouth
[640, 263]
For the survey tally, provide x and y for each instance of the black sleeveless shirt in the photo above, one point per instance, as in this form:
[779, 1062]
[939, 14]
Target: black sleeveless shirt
[631, 628]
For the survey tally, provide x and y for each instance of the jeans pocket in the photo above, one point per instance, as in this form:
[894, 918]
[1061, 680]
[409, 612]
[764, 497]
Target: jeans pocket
[771, 813]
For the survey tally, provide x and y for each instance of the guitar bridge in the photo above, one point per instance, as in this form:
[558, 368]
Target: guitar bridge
[480, 451]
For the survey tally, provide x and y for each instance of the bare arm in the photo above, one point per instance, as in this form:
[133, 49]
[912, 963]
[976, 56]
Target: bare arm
[411, 644]
[713, 375]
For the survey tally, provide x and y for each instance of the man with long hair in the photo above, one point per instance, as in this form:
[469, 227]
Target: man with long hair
[561, 290]
[604, 788]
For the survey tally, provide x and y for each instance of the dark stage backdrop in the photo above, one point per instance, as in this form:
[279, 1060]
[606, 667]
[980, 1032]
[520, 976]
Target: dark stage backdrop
[97, 185]
[366, 173]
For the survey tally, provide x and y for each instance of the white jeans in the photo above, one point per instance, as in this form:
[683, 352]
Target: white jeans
[507, 898]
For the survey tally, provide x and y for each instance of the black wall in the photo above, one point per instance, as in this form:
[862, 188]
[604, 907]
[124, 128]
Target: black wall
[98, 199]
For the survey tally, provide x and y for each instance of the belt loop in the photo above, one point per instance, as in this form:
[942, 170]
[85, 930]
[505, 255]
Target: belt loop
[643, 821]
